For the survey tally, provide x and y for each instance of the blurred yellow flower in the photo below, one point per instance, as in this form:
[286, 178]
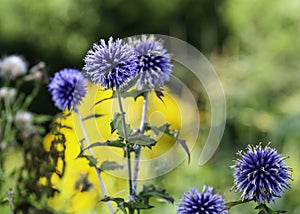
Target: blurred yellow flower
[79, 189]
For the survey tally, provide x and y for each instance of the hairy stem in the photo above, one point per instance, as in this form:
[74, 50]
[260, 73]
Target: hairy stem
[138, 151]
[103, 188]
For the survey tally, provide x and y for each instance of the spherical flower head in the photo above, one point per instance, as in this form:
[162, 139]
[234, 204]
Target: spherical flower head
[154, 62]
[8, 94]
[13, 67]
[23, 119]
[68, 88]
[110, 65]
[193, 202]
[261, 174]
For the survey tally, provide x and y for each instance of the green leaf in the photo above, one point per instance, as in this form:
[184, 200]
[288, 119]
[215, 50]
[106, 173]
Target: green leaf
[119, 201]
[129, 85]
[158, 129]
[138, 205]
[151, 191]
[165, 128]
[92, 160]
[133, 93]
[110, 165]
[104, 99]
[185, 147]
[117, 124]
[142, 140]
[93, 116]
[264, 209]
[114, 143]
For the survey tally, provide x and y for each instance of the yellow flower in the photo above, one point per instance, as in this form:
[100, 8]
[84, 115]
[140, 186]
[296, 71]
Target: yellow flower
[79, 189]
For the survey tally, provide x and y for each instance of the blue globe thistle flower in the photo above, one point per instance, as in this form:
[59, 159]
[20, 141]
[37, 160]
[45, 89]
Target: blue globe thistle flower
[192, 202]
[154, 62]
[68, 88]
[110, 65]
[261, 174]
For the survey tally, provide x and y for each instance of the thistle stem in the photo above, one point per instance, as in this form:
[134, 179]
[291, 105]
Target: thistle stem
[103, 188]
[138, 151]
[126, 148]
[235, 203]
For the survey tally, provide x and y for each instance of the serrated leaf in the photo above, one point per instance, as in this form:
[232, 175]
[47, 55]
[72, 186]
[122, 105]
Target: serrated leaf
[92, 160]
[185, 147]
[264, 209]
[133, 93]
[117, 124]
[119, 201]
[93, 116]
[142, 140]
[151, 191]
[110, 165]
[165, 128]
[138, 205]
[113, 143]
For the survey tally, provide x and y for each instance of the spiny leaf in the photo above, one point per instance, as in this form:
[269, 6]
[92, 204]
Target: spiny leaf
[93, 116]
[119, 201]
[138, 205]
[133, 93]
[113, 143]
[159, 94]
[92, 160]
[151, 191]
[264, 209]
[110, 165]
[117, 124]
[165, 128]
[142, 140]
[185, 147]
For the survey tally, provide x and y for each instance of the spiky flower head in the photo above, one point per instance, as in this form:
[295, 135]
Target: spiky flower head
[154, 62]
[68, 88]
[110, 65]
[193, 202]
[261, 174]
[13, 67]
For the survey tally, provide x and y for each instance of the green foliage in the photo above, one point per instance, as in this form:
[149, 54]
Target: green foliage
[142, 200]
[165, 128]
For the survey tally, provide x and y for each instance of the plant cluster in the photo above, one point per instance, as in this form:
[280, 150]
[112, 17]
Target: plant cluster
[132, 68]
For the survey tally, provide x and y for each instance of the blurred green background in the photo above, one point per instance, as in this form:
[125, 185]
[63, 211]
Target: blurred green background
[253, 45]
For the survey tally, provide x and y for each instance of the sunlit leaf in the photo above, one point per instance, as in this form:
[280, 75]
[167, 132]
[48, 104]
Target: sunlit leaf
[110, 165]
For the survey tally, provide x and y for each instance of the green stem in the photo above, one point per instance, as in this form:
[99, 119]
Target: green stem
[33, 94]
[9, 122]
[104, 191]
[127, 147]
[138, 151]
[235, 203]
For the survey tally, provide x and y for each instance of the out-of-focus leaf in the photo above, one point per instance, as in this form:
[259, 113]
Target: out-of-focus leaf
[110, 165]
[93, 116]
[151, 191]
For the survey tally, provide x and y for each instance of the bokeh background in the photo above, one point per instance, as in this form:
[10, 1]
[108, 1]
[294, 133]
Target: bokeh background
[253, 46]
